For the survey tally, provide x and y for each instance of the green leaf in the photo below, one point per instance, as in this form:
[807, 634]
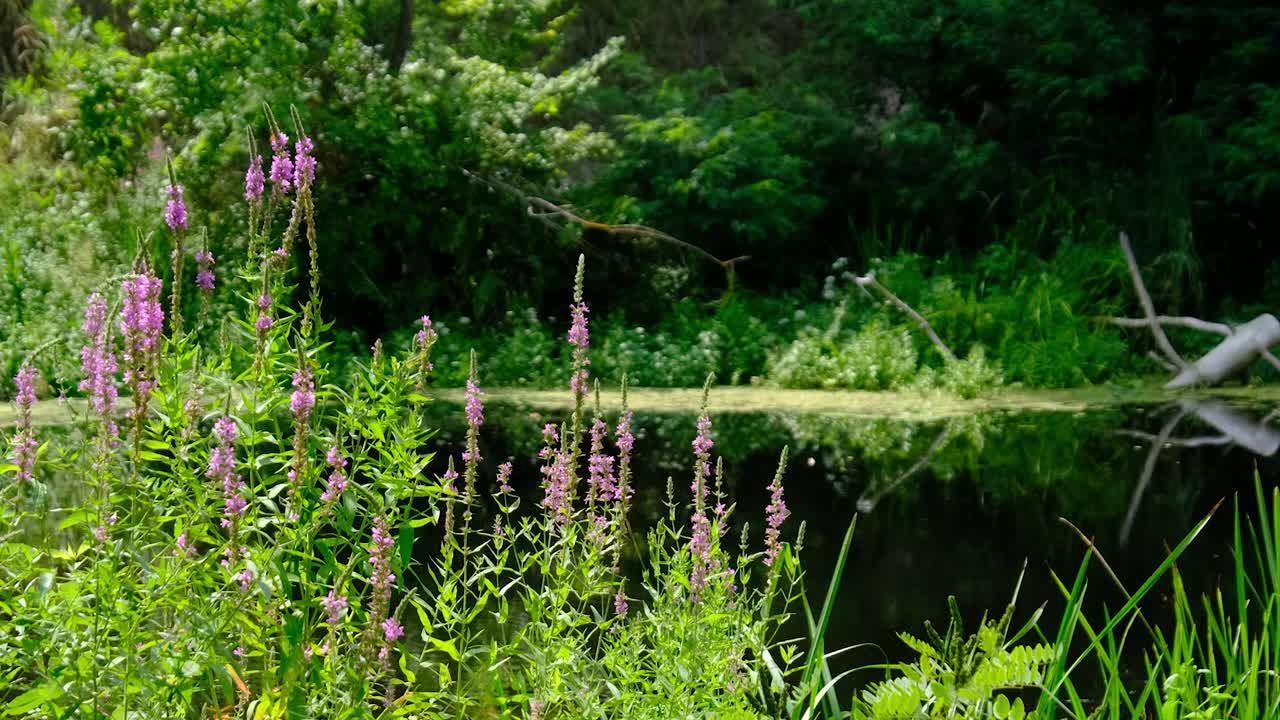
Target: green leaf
[32, 699]
[406, 544]
[448, 647]
[74, 518]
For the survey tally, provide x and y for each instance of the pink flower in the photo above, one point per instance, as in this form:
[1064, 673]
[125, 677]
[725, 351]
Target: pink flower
[620, 604]
[175, 211]
[141, 322]
[246, 579]
[334, 605]
[475, 409]
[600, 465]
[204, 272]
[579, 338]
[281, 165]
[391, 630]
[222, 468]
[304, 165]
[303, 399]
[504, 477]
[97, 360]
[775, 514]
[24, 439]
[254, 182]
[702, 445]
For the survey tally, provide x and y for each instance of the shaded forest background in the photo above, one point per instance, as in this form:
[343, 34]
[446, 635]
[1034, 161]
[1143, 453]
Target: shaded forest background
[982, 156]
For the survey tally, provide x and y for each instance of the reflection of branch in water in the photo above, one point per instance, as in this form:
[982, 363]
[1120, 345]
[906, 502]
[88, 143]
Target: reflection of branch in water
[1147, 469]
[1207, 441]
[1237, 428]
[867, 504]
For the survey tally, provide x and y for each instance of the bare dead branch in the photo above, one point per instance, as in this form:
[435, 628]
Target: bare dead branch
[869, 281]
[1191, 323]
[548, 212]
[1162, 340]
[1155, 357]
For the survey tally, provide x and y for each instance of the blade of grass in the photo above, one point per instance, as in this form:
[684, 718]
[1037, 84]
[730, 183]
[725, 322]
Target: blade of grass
[818, 632]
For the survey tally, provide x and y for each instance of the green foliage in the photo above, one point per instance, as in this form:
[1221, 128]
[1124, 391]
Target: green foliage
[959, 675]
[873, 358]
[270, 567]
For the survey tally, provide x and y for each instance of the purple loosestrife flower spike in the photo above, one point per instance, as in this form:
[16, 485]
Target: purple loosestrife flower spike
[381, 579]
[600, 480]
[337, 482]
[246, 578]
[557, 482]
[303, 399]
[702, 444]
[334, 606]
[175, 211]
[775, 514]
[700, 544]
[304, 164]
[391, 630]
[301, 403]
[579, 335]
[471, 457]
[222, 467]
[620, 603]
[475, 407]
[625, 442]
[254, 182]
[141, 321]
[264, 322]
[24, 439]
[450, 477]
[98, 365]
[423, 341]
[281, 165]
[204, 270]
[504, 479]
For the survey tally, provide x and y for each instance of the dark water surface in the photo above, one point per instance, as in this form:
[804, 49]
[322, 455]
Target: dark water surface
[956, 507]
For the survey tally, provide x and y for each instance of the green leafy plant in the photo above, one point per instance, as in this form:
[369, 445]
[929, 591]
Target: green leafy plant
[959, 675]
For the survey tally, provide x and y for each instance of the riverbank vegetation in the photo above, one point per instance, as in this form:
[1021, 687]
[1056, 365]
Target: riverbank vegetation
[256, 310]
[235, 544]
[726, 179]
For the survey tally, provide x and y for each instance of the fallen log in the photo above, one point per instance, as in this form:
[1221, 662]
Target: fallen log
[1241, 346]
[1237, 352]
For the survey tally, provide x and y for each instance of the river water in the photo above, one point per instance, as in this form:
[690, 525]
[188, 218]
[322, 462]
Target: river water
[961, 506]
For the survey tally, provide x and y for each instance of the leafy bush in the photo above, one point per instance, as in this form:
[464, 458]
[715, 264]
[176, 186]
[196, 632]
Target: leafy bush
[873, 358]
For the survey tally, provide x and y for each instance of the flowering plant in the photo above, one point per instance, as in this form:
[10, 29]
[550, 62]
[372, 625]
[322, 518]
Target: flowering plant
[259, 542]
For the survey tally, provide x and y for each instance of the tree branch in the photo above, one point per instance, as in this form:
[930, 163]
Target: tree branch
[1190, 323]
[869, 280]
[1162, 340]
[548, 212]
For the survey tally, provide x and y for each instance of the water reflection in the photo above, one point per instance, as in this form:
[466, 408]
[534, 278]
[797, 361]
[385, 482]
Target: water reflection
[1234, 426]
[955, 507]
